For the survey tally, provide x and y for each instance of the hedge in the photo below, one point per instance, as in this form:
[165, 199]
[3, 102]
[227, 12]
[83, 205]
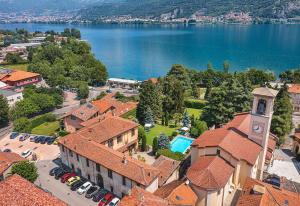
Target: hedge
[195, 104]
[37, 121]
[173, 155]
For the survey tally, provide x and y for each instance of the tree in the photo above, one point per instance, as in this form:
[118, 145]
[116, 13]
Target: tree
[24, 108]
[22, 125]
[226, 66]
[181, 74]
[163, 141]
[83, 91]
[4, 111]
[13, 58]
[177, 118]
[198, 128]
[142, 138]
[186, 120]
[155, 145]
[149, 117]
[26, 170]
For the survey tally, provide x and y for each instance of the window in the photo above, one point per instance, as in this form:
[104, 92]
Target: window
[73, 117]
[132, 132]
[87, 162]
[72, 166]
[110, 143]
[112, 189]
[98, 167]
[261, 107]
[89, 177]
[119, 139]
[110, 174]
[71, 153]
[77, 157]
[218, 152]
[219, 191]
[124, 180]
[63, 148]
[123, 194]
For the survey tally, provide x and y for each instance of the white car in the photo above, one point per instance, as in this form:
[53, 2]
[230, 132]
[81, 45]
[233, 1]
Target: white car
[26, 153]
[114, 202]
[84, 188]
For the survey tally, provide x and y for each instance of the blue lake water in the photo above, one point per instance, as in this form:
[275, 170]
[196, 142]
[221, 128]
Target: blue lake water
[143, 51]
[180, 144]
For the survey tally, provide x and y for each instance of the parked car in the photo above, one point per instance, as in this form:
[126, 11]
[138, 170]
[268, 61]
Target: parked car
[13, 135]
[106, 199]
[59, 173]
[32, 139]
[84, 188]
[273, 180]
[43, 140]
[7, 150]
[37, 139]
[67, 176]
[72, 180]
[26, 153]
[53, 170]
[114, 202]
[77, 184]
[24, 137]
[93, 190]
[50, 140]
[99, 195]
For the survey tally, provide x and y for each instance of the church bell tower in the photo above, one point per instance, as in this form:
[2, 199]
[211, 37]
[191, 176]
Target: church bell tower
[261, 117]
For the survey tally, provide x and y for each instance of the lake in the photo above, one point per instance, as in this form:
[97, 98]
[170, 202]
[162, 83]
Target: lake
[143, 51]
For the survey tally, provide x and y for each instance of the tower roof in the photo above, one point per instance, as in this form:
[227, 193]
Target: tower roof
[265, 91]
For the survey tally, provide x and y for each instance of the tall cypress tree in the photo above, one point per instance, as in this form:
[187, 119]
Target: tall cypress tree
[4, 109]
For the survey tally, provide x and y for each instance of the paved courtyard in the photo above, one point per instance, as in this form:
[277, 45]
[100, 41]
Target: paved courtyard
[58, 189]
[285, 165]
[43, 151]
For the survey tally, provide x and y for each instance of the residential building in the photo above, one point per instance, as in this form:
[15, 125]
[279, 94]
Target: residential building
[169, 169]
[73, 119]
[11, 96]
[223, 158]
[294, 91]
[7, 160]
[296, 143]
[16, 190]
[96, 153]
[258, 193]
[123, 83]
[18, 78]
[2, 85]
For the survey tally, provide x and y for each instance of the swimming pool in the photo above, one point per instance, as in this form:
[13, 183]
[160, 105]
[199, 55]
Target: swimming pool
[180, 144]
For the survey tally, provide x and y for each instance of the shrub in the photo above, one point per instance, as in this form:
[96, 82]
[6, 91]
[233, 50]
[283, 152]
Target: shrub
[173, 155]
[163, 142]
[22, 124]
[196, 104]
[63, 133]
[155, 145]
[174, 134]
[26, 170]
[49, 117]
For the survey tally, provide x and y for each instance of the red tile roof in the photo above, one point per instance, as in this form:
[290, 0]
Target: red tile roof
[210, 172]
[7, 159]
[84, 112]
[18, 75]
[167, 167]
[294, 88]
[178, 193]
[111, 159]
[270, 196]
[141, 197]
[106, 129]
[16, 191]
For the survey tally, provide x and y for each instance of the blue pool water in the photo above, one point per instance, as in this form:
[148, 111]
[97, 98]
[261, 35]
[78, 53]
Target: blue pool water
[180, 144]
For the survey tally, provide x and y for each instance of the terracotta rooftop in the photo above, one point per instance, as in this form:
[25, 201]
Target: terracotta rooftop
[7, 159]
[294, 88]
[141, 197]
[265, 91]
[268, 195]
[210, 172]
[16, 191]
[111, 159]
[178, 193]
[84, 112]
[106, 129]
[166, 166]
[109, 101]
[17, 75]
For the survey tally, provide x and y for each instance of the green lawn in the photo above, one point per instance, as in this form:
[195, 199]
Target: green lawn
[47, 128]
[155, 131]
[195, 112]
[22, 67]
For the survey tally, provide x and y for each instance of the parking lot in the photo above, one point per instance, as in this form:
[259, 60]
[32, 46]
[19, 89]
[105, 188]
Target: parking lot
[58, 189]
[42, 151]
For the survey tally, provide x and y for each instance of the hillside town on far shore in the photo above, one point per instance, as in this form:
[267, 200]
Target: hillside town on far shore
[71, 137]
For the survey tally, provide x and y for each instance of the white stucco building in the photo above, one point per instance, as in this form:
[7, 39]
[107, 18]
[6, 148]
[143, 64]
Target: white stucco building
[11, 96]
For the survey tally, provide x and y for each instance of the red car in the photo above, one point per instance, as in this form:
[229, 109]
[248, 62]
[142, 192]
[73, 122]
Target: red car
[66, 176]
[106, 199]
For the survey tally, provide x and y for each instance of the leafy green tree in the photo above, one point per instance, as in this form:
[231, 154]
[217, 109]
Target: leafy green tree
[13, 59]
[155, 145]
[181, 74]
[4, 111]
[198, 128]
[142, 138]
[177, 118]
[24, 108]
[163, 141]
[22, 124]
[186, 120]
[83, 91]
[26, 170]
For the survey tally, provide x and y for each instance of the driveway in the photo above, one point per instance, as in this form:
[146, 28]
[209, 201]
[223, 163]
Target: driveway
[285, 165]
[58, 189]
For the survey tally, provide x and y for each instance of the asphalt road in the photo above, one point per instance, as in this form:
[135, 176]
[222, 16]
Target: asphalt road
[58, 189]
